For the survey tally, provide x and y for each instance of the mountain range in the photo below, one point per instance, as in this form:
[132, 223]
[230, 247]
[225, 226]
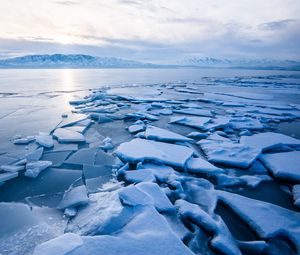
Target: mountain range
[87, 61]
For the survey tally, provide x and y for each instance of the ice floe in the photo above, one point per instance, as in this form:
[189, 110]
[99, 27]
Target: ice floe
[33, 169]
[229, 153]
[64, 135]
[141, 150]
[159, 134]
[285, 165]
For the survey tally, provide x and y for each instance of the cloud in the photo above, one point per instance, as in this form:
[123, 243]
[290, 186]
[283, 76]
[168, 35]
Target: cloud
[276, 25]
[67, 3]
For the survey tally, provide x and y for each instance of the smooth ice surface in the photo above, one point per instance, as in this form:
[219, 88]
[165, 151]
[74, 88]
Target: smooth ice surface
[64, 135]
[140, 150]
[284, 165]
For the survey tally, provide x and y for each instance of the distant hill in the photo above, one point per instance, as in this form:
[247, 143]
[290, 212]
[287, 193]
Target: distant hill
[70, 61]
[87, 61]
[242, 63]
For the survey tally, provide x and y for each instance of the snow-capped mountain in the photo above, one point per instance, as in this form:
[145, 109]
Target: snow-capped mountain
[70, 60]
[241, 63]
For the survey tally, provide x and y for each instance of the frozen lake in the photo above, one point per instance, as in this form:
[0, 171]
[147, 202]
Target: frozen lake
[198, 157]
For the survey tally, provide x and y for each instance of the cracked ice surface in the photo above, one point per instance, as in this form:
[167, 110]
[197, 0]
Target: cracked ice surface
[164, 168]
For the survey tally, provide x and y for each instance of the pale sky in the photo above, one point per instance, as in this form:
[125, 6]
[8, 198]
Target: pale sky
[156, 31]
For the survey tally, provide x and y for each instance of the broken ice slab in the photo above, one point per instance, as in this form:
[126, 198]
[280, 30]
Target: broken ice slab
[136, 127]
[6, 159]
[269, 141]
[8, 176]
[140, 116]
[144, 230]
[296, 195]
[83, 156]
[164, 135]
[284, 165]
[201, 166]
[96, 175]
[72, 119]
[57, 158]
[93, 171]
[35, 155]
[141, 150]
[64, 135]
[92, 218]
[23, 140]
[195, 122]
[12, 168]
[44, 140]
[258, 215]
[160, 172]
[48, 182]
[195, 111]
[246, 123]
[141, 175]
[74, 197]
[221, 240]
[33, 169]
[161, 201]
[229, 153]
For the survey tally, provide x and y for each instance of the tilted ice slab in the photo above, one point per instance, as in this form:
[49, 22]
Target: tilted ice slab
[160, 134]
[73, 197]
[269, 141]
[194, 111]
[92, 218]
[8, 176]
[195, 122]
[296, 195]
[44, 140]
[266, 219]
[161, 201]
[285, 165]
[229, 153]
[151, 173]
[136, 127]
[33, 169]
[141, 150]
[200, 165]
[222, 239]
[61, 245]
[68, 136]
[147, 233]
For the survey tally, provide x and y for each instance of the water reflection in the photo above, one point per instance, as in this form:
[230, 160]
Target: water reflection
[67, 79]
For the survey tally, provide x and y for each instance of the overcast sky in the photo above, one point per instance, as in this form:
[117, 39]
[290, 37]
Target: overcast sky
[157, 31]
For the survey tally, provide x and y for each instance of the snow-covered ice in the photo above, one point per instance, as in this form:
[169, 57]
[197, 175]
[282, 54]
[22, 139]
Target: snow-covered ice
[284, 165]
